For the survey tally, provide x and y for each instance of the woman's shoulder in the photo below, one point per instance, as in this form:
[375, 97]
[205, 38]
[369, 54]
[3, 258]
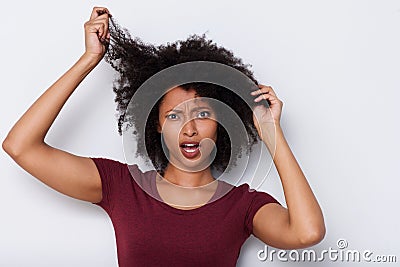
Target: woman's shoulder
[110, 170]
[119, 174]
[230, 191]
[245, 192]
[238, 189]
[107, 161]
[113, 165]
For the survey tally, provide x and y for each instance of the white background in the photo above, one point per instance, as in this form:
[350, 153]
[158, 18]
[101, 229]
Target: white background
[334, 64]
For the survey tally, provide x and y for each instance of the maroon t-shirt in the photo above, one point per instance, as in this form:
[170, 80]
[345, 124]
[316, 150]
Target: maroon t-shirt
[149, 232]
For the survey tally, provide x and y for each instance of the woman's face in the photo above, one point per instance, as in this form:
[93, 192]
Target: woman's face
[189, 127]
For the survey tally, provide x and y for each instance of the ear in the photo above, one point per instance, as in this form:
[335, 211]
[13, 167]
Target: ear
[158, 128]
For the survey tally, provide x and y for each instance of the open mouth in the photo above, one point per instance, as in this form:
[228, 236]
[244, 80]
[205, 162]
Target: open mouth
[190, 149]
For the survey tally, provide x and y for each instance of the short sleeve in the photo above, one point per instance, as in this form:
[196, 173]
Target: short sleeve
[111, 174]
[257, 199]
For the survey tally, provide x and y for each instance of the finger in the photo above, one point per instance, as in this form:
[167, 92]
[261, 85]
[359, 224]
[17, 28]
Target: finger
[103, 19]
[97, 28]
[268, 88]
[103, 11]
[259, 91]
[104, 16]
[96, 10]
[269, 97]
[264, 90]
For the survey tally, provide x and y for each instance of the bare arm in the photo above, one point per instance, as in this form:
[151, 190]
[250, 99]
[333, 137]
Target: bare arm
[302, 223]
[69, 174]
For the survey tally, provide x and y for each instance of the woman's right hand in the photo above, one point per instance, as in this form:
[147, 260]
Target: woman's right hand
[96, 29]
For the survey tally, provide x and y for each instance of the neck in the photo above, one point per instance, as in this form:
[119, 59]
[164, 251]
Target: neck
[187, 179]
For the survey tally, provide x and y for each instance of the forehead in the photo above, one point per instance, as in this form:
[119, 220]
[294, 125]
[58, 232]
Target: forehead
[179, 97]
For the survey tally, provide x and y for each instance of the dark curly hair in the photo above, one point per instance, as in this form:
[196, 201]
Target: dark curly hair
[136, 61]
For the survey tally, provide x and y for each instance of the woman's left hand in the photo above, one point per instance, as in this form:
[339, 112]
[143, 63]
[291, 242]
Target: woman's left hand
[263, 116]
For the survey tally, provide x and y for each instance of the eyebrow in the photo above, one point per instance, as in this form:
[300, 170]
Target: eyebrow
[194, 109]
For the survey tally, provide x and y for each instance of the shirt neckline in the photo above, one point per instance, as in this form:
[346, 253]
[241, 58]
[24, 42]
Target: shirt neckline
[211, 202]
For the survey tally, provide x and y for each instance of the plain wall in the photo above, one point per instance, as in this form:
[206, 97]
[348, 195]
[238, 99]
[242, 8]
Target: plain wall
[334, 64]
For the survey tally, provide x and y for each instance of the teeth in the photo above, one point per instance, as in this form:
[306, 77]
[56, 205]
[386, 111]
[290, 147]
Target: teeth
[190, 148]
[189, 145]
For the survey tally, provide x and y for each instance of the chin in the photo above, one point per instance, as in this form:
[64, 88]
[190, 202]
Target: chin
[193, 165]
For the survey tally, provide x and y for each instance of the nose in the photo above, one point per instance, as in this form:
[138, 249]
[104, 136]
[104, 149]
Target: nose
[189, 128]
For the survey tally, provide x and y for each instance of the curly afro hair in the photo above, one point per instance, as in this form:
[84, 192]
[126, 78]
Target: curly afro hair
[136, 61]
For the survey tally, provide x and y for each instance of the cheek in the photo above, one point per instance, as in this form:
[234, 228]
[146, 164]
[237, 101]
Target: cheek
[215, 130]
[170, 133]
[159, 124]
[210, 130]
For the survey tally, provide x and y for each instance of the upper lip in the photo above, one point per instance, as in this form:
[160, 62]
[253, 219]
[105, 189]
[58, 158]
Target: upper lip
[190, 143]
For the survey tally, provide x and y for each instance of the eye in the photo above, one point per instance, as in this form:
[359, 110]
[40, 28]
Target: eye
[172, 116]
[204, 114]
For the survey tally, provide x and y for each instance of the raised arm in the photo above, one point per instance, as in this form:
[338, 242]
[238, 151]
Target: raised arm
[69, 174]
[301, 224]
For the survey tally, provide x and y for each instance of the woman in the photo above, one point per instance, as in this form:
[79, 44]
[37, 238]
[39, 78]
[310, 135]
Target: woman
[194, 228]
